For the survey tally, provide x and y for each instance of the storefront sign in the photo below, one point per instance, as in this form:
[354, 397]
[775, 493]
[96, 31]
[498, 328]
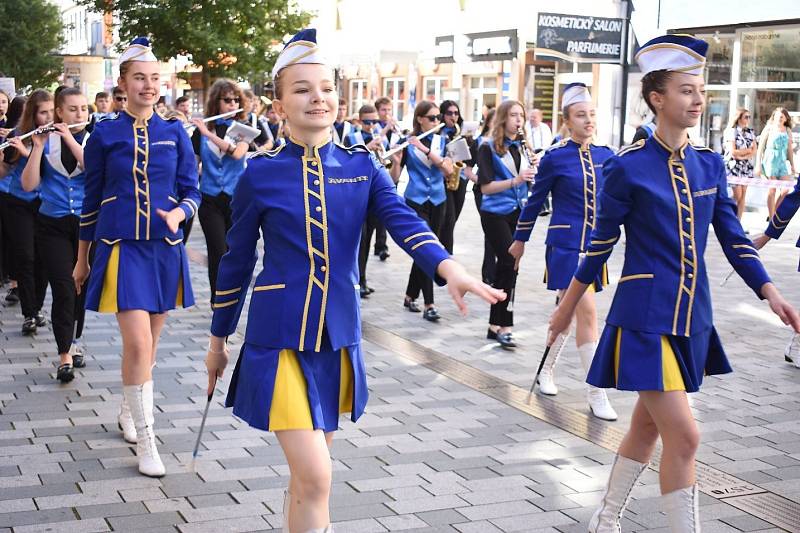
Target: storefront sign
[492, 45]
[544, 77]
[579, 38]
[444, 51]
[484, 46]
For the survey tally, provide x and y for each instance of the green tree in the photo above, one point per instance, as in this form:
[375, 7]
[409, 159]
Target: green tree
[31, 33]
[231, 38]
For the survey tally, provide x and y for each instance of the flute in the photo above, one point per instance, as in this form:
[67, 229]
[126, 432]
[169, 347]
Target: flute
[399, 147]
[215, 117]
[31, 133]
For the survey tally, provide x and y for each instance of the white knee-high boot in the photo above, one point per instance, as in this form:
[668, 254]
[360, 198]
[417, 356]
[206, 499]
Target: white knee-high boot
[547, 384]
[140, 401]
[682, 507]
[624, 474]
[597, 398]
[125, 422]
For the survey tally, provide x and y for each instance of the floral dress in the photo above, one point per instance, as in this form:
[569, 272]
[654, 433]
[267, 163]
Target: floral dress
[742, 138]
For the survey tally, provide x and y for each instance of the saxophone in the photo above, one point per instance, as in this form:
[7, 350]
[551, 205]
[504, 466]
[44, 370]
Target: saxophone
[453, 180]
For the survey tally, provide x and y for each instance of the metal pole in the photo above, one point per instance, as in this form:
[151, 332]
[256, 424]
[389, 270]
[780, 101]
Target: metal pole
[623, 106]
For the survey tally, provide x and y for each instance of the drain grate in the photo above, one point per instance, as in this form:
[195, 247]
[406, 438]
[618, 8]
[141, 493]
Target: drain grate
[748, 497]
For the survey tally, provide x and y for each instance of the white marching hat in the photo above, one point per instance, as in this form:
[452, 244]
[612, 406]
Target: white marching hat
[575, 93]
[138, 50]
[675, 53]
[302, 48]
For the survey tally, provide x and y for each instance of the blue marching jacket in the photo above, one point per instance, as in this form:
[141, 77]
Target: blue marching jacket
[504, 168]
[784, 213]
[666, 201]
[309, 203]
[61, 189]
[135, 166]
[575, 178]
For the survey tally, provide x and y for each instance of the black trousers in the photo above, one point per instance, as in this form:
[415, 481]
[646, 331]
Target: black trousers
[455, 203]
[370, 226]
[57, 239]
[380, 238]
[187, 229]
[6, 250]
[31, 276]
[499, 229]
[489, 266]
[433, 215]
[215, 219]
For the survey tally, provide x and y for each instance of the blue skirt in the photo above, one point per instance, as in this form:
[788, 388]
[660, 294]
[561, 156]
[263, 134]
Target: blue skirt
[641, 361]
[560, 267]
[276, 389]
[127, 275]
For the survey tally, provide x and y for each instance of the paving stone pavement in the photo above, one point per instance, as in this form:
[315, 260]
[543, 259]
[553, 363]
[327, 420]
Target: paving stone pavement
[430, 454]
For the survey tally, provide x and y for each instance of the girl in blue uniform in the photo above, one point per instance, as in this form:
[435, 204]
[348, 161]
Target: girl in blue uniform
[141, 183]
[56, 165]
[13, 116]
[222, 163]
[659, 338]
[301, 364]
[425, 194]
[23, 207]
[572, 171]
[504, 174]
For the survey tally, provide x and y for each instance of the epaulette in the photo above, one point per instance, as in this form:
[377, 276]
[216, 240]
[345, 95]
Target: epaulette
[701, 148]
[560, 144]
[353, 148]
[631, 147]
[113, 116]
[265, 153]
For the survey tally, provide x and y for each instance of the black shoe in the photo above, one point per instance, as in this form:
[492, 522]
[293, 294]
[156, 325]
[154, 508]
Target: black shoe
[491, 335]
[412, 306]
[29, 325]
[65, 373]
[12, 296]
[363, 292]
[78, 360]
[41, 321]
[370, 290]
[505, 340]
[431, 314]
[384, 255]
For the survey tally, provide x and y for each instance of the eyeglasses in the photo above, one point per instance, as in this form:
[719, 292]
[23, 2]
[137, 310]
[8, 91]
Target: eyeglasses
[432, 118]
[121, 98]
[746, 117]
[370, 121]
[230, 100]
[452, 113]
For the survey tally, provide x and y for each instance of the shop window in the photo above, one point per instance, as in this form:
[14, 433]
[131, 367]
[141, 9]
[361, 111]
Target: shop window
[395, 90]
[719, 59]
[359, 95]
[762, 103]
[434, 88]
[770, 56]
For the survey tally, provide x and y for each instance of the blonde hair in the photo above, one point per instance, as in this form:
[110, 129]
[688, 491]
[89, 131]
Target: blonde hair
[737, 117]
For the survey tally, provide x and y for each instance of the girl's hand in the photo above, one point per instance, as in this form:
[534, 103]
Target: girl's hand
[39, 139]
[459, 283]
[62, 130]
[19, 145]
[516, 250]
[527, 174]
[201, 126]
[173, 218]
[760, 241]
[217, 358]
[781, 307]
[4, 132]
[415, 142]
[559, 322]
[80, 274]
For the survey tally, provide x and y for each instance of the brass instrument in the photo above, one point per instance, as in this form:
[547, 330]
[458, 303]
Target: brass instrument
[458, 151]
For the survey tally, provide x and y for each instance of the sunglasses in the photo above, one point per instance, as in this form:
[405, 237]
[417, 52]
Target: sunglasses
[746, 117]
[432, 118]
[452, 113]
[121, 98]
[370, 121]
[230, 100]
